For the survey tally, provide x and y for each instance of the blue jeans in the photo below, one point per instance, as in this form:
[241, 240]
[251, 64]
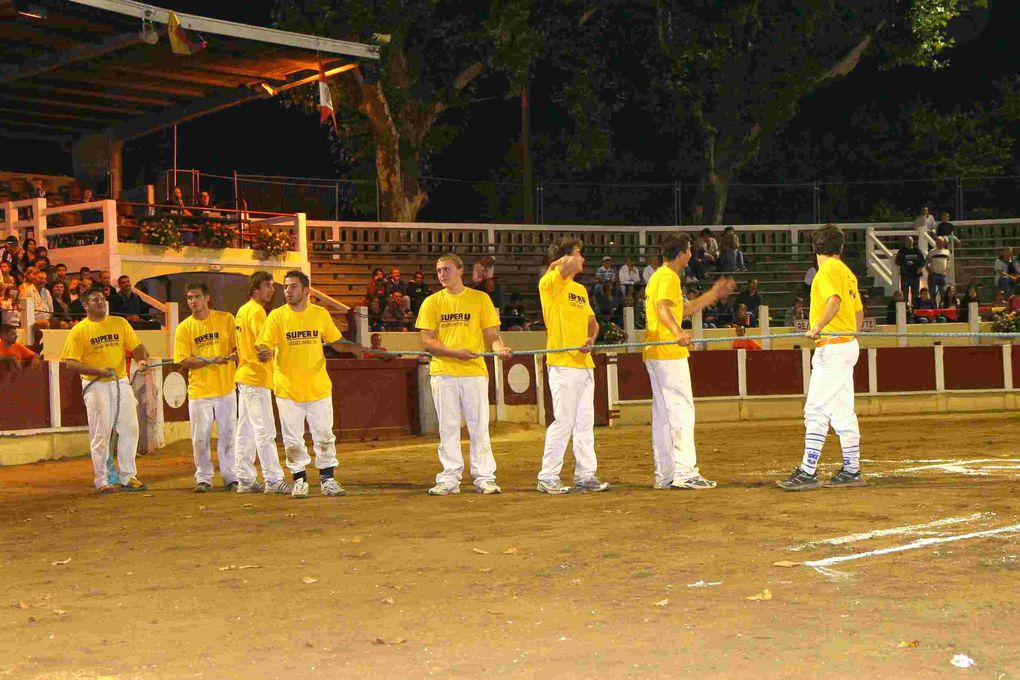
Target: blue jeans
[910, 286]
[937, 288]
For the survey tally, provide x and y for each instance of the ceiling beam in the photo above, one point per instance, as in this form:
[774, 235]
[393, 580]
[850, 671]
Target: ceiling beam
[61, 116]
[178, 74]
[69, 103]
[95, 94]
[75, 53]
[92, 78]
[139, 127]
[39, 137]
[23, 123]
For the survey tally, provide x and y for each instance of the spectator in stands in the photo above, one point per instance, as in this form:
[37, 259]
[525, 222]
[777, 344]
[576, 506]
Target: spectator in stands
[809, 275]
[205, 205]
[925, 221]
[6, 277]
[10, 307]
[42, 253]
[11, 254]
[72, 289]
[28, 249]
[396, 316]
[514, 317]
[715, 315]
[1006, 270]
[890, 310]
[653, 264]
[711, 245]
[38, 188]
[1013, 303]
[378, 276]
[700, 261]
[744, 342]
[605, 273]
[925, 302]
[13, 354]
[730, 257]
[483, 270]
[375, 314]
[972, 296]
[640, 322]
[393, 283]
[62, 317]
[35, 288]
[750, 296]
[939, 263]
[629, 275]
[947, 229]
[177, 202]
[126, 303]
[951, 300]
[92, 215]
[910, 260]
[490, 288]
[66, 295]
[798, 312]
[417, 291]
[609, 302]
[742, 316]
[58, 273]
[104, 280]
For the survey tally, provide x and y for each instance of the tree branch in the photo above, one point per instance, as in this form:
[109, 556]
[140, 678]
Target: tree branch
[467, 75]
[850, 60]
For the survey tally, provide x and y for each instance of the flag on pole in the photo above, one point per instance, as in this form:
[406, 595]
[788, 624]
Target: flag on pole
[326, 110]
[180, 42]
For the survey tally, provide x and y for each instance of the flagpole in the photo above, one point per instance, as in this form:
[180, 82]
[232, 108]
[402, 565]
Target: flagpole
[175, 160]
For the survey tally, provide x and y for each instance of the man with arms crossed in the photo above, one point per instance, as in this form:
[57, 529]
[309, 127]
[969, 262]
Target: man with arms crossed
[835, 308]
[204, 343]
[456, 323]
[256, 425]
[295, 333]
[676, 461]
[95, 347]
[569, 322]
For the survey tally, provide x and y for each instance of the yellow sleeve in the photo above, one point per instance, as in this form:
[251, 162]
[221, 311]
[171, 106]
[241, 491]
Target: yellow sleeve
[270, 335]
[229, 325]
[182, 344]
[427, 316]
[490, 317]
[551, 282]
[73, 346]
[330, 333]
[855, 293]
[587, 304]
[828, 285]
[128, 334]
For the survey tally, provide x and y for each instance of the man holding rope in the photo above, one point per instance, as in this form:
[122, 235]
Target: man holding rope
[95, 348]
[456, 323]
[569, 322]
[835, 308]
[676, 461]
[292, 337]
[256, 425]
[204, 343]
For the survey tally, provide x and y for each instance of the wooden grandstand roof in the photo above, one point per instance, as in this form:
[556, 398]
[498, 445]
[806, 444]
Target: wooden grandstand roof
[84, 68]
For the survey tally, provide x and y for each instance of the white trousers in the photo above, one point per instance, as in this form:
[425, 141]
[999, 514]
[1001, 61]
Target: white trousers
[466, 396]
[830, 397]
[256, 433]
[573, 398]
[100, 404]
[319, 416]
[203, 413]
[672, 420]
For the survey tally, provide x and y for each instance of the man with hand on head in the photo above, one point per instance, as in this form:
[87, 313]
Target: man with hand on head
[256, 425]
[456, 323]
[205, 345]
[95, 348]
[292, 338]
[569, 322]
[676, 461]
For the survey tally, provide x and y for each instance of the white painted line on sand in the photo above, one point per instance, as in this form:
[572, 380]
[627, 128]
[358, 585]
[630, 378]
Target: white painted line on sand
[894, 531]
[919, 543]
[954, 465]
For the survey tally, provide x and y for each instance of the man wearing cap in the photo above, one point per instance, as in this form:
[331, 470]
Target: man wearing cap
[9, 254]
[606, 272]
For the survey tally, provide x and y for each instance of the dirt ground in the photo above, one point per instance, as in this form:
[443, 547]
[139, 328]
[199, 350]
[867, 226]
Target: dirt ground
[391, 583]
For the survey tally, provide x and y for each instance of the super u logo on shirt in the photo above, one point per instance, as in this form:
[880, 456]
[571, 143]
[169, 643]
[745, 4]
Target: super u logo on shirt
[304, 337]
[575, 300]
[100, 341]
[455, 319]
[207, 339]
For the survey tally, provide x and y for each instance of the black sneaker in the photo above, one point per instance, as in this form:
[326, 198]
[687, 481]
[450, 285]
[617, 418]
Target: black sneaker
[799, 481]
[203, 487]
[231, 487]
[845, 480]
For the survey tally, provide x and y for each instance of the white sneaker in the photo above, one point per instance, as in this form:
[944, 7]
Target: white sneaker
[488, 488]
[659, 486]
[300, 489]
[552, 488]
[331, 487]
[697, 483]
[254, 487]
[282, 487]
[444, 490]
[591, 484]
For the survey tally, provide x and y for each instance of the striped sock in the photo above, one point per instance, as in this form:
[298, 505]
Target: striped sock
[851, 445]
[813, 443]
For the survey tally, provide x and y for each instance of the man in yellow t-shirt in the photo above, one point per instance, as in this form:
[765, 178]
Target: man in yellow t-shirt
[676, 460]
[95, 348]
[294, 334]
[204, 343]
[835, 308]
[569, 322]
[256, 424]
[456, 323]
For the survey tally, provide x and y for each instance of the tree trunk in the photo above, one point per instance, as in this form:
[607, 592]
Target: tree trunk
[713, 188]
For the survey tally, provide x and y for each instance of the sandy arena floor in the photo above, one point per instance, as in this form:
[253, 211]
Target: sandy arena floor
[391, 583]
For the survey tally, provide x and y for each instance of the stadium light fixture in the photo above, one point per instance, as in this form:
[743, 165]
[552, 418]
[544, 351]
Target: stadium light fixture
[268, 88]
[32, 11]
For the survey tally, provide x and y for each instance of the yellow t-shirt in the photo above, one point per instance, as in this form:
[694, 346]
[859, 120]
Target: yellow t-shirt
[835, 278]
[299, 368]
[664, 284]
[251, 317]
[213, 336]
[458, 321]
[566, 310]
[101, 344]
